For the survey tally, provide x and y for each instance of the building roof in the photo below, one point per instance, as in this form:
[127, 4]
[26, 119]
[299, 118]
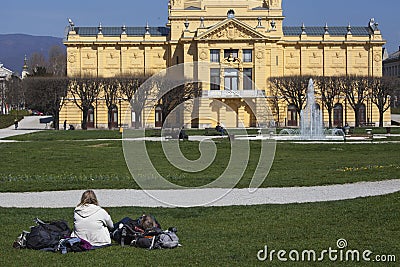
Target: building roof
[164, 31]
[334, 31]
[4, 72]
[395, 55]
[117, 31]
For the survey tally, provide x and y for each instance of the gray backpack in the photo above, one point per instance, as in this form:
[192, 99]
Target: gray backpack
[168, 239]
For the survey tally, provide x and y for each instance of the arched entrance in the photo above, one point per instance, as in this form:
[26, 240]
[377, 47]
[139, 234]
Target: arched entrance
[338, 115]
[136, 119]
[113, 117]
[90, 118]
[292, 116]
[158, 117]
[362, 115]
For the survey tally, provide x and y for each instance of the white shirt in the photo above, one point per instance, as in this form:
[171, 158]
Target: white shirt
[92, 223]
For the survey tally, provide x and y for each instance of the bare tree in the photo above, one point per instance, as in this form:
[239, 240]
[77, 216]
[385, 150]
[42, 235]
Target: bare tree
[15, 93]
[396, 94]
[173, 91]
[46, 94]
[293, 89]
[129, 87]
[110, 88]
[356, 90]
[330, 90]
[37, 64]
[381, 90]
[85, 92]
[57, 64]
[273, 101]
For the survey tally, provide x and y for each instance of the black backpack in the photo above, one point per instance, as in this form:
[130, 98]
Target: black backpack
[144, 232]
[47, 235]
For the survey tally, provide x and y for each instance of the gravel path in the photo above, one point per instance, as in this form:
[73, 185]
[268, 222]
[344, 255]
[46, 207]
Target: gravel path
[189, 198]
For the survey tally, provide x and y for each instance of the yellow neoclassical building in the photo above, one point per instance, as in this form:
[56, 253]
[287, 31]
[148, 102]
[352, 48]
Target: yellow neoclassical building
[237, 39]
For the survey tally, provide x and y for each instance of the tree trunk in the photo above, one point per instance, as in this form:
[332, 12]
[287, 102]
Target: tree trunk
[330, 118]
[55, 121]
[138, 120]
[381, 116]
[85, 112]
[356, 114]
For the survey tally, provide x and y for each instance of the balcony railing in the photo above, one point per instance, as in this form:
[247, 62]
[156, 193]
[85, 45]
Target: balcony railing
[234, 94]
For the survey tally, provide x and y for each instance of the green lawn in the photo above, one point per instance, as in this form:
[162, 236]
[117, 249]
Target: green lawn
[225, 236]
[229, 236]
[67, 135]
[61, 161]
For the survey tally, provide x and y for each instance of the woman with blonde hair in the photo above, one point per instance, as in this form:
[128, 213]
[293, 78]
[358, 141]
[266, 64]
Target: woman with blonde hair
[91, 222]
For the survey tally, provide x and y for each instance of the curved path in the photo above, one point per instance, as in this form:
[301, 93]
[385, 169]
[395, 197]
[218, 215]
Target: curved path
[189, 198]
[192, 197]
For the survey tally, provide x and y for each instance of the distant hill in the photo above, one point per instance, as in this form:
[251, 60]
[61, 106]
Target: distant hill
[14, 47]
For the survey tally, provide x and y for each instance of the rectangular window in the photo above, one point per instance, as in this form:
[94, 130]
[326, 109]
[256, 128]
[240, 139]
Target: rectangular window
[215, 79]
[231, 53]
[231, 79]
[215, 55]
[247, 55]
[248, 79]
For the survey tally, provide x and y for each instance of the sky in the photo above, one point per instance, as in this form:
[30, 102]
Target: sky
[49, 17]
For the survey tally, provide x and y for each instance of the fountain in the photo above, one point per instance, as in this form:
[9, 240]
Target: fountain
[311, 125]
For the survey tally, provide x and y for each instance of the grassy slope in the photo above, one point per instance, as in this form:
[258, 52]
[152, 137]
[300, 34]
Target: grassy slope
[8, 120]
[228, 236]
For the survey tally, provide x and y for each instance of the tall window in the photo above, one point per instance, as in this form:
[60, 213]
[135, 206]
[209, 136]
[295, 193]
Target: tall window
[247, 55]
[231, 53]
[112, 117]
[215, 55]
[248, 79]
[362, 115]
[215, 79]
[158, 117]
[338, 115]
[90, 117]
[231, 79]
[292, 116]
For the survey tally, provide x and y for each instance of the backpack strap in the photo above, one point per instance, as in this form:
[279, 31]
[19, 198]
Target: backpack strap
[152, 243]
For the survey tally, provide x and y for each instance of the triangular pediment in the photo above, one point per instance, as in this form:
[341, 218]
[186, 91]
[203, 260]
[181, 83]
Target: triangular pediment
[231, 29]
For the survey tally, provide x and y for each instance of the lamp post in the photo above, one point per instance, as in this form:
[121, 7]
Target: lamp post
[368, 99]
[370, 94]
[120, 111]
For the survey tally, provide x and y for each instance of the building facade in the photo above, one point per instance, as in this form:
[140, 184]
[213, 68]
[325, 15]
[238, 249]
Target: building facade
[237, 39]
[391, 68]
[391, 65]
[5, 74]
